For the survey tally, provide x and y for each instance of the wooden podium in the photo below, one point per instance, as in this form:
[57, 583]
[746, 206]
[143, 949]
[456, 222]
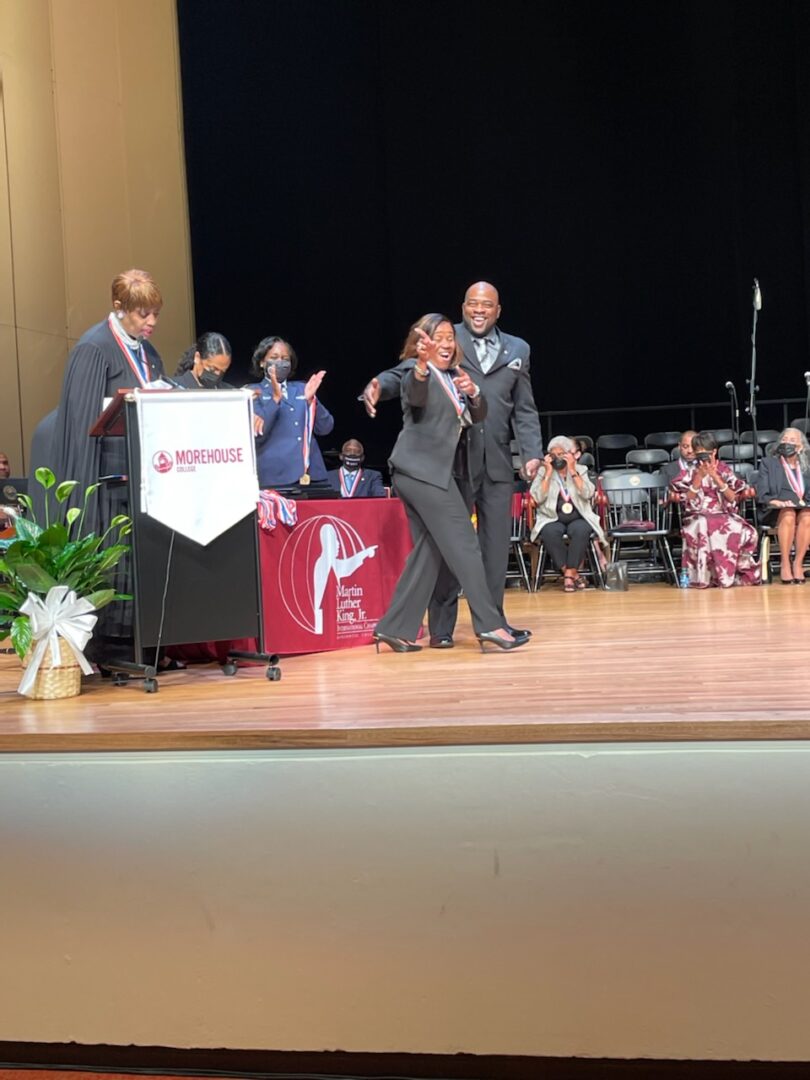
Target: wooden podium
[184, 592]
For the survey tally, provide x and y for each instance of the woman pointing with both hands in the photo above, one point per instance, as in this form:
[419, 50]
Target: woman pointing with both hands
[439, 401]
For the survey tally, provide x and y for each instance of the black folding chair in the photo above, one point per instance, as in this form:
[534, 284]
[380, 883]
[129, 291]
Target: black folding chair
[638, 515]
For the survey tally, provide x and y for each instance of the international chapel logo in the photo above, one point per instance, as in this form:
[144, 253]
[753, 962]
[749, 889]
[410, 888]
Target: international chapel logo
[162, 461]
[317, 550]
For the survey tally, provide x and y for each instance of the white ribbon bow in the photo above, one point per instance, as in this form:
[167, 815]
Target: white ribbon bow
[60, 614]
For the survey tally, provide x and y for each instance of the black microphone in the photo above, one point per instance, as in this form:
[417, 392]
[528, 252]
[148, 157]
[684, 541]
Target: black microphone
[173, 383]
[757, 296]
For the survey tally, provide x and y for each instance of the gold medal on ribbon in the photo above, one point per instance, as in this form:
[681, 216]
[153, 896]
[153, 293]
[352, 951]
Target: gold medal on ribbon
[305, 479]
[567, 508]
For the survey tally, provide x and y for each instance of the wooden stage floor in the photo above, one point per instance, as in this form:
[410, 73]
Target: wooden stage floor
[654, 663]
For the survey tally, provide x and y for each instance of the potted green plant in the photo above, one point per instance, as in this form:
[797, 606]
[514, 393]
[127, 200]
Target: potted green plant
[52, 577]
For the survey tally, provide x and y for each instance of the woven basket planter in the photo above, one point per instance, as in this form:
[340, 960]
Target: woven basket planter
[58, 682]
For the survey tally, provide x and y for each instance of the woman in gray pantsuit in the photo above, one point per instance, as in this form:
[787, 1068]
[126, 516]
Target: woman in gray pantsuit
[439, 401]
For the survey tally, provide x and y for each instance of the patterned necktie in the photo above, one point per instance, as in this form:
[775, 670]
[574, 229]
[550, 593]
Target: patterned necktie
[484, 355]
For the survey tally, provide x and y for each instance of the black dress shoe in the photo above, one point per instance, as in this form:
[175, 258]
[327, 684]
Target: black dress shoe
[441, 641]
[518, 635]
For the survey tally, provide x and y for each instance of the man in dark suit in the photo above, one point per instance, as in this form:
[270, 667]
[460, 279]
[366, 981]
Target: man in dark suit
[685, 454]
[351, 479]
[498, 363]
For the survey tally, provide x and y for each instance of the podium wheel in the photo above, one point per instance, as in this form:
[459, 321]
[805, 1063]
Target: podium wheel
[273, 674]
[229, 668]
[150, 686]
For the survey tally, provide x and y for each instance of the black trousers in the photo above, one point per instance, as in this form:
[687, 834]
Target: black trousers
[568, 553]
[493, 502]
[443, 536]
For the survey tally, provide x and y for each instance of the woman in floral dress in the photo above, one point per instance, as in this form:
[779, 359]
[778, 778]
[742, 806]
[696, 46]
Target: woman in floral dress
[719, 546]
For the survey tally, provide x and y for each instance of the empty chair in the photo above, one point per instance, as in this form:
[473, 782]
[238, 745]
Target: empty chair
[662, 440]
[588, 461]
[741, 452]
[638, 515]
[613, 443]
[518, 538]
[646, 457]
[745, 470]
[763, 437]
[514, 450]
[722, 435]
[800, 424]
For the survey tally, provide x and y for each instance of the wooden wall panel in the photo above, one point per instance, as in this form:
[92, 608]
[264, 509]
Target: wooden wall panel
[96, 184]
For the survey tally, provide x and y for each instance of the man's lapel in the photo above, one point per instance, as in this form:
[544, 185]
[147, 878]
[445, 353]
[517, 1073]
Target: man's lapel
[465, 340]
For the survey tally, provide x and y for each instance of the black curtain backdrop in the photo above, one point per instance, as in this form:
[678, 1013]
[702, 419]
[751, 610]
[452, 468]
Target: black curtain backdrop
[621, 171]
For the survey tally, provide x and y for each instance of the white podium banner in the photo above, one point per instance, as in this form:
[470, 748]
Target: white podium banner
[198, 460]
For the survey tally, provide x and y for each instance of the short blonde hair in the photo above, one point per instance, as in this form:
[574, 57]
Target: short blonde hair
[136, 290]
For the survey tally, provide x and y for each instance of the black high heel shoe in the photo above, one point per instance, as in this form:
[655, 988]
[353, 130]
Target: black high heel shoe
[395, 643]
[495, 639]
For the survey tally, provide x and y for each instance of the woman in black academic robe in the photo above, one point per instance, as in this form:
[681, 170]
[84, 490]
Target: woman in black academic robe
[116, 354]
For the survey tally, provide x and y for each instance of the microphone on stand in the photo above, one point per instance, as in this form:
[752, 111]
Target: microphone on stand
[735, 419]
[752, 382]
[757, 296]
[807, 377]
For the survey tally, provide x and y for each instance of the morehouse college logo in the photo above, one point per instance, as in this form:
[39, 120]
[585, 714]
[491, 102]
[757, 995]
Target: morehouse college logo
[162, 461]
[314, 551]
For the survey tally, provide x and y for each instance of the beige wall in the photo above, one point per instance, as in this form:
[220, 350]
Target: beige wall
[92, 181]
[619, 900]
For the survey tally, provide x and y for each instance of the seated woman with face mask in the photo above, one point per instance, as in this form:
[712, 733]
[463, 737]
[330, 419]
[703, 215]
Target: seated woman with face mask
[719, 545]
[783, 492]
[562, 492]
[205, 363]
[288, 417]
[351, 479]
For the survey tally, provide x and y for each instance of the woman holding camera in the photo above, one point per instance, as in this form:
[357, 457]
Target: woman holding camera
[562, 492]
[719, 545]
[783, 491]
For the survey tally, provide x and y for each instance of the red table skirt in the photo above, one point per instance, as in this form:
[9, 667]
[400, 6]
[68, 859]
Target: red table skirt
[327, 580]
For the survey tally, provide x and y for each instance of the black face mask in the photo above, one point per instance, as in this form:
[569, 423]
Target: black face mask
[210, 379]
[559, 463]
[703, 456]
[352, 464]
[283, 369]
[786, 449]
